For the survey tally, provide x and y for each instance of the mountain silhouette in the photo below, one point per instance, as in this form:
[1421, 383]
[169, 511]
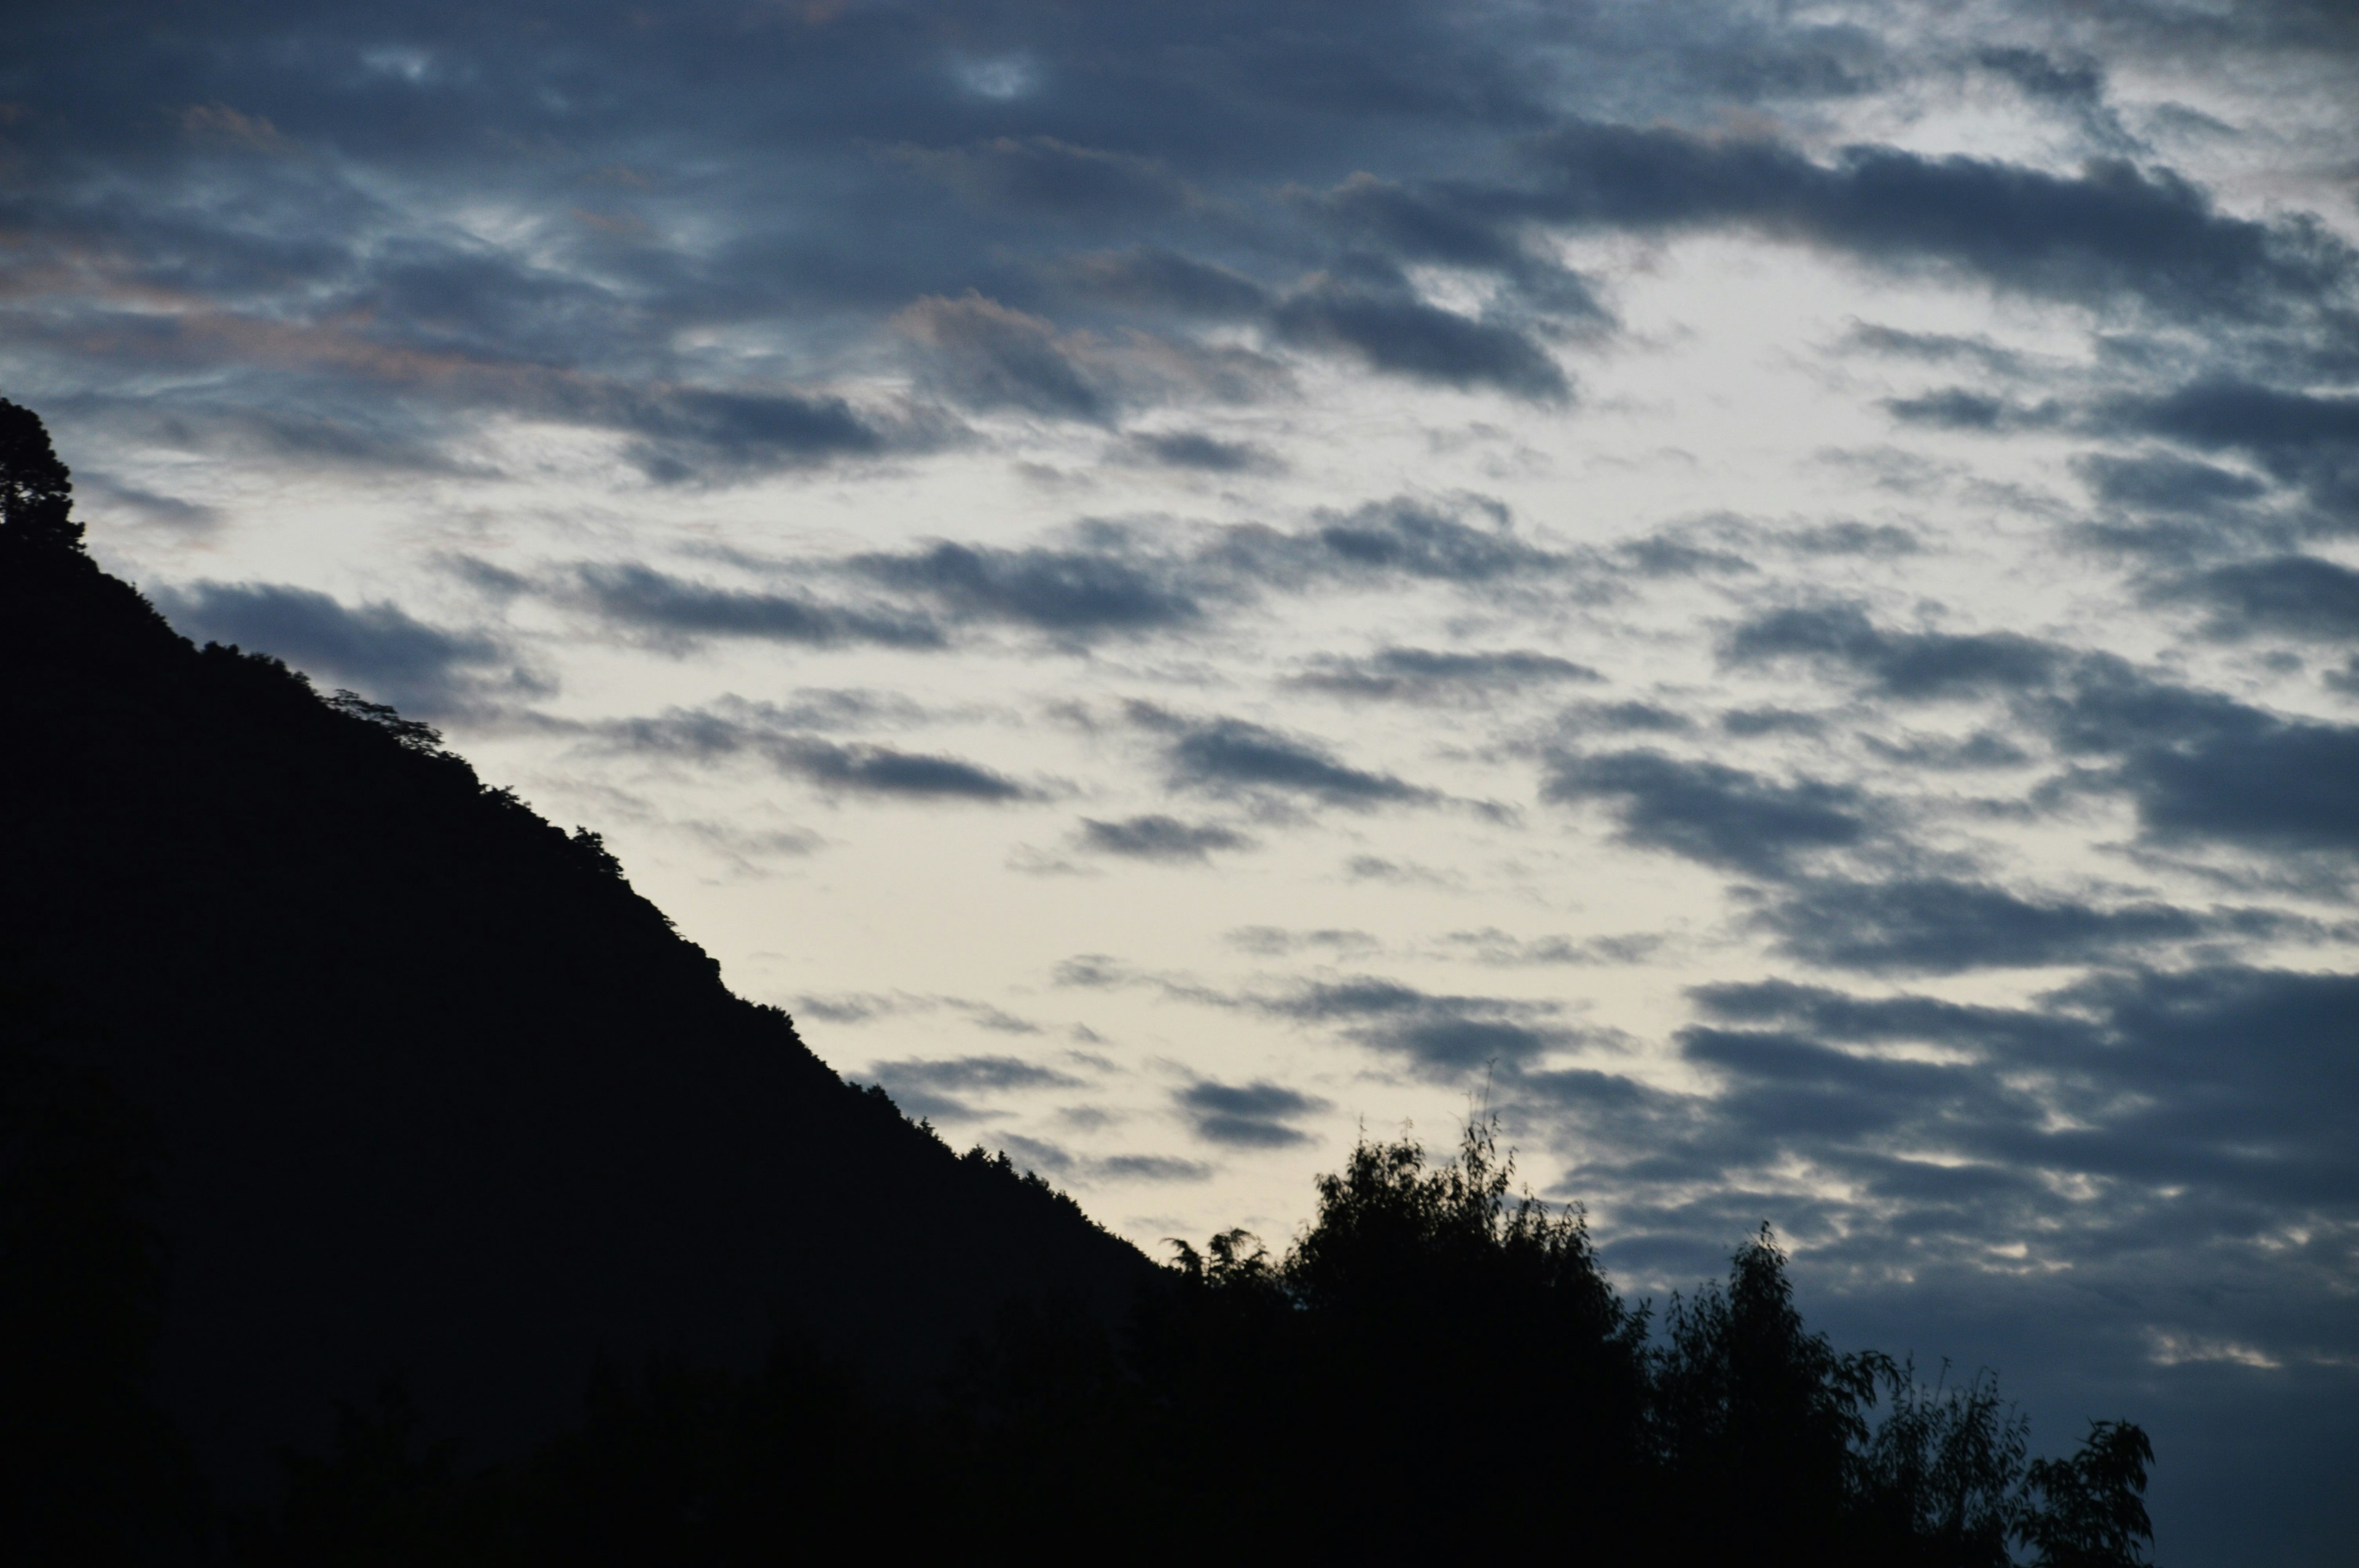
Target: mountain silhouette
[427, 1090]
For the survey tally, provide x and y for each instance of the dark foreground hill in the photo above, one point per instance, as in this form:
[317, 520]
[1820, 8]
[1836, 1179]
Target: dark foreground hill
[425, 1088]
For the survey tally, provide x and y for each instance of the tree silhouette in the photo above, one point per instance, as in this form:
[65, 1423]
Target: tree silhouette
[2093, 1512]
[1944, 1470]
[36, 489]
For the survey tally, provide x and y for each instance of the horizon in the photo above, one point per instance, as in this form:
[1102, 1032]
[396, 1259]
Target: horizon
[1769, 596]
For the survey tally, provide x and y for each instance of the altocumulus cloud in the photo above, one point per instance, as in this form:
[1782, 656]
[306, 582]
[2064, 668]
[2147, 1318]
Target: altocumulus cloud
[1258, 1115]
[379, 647]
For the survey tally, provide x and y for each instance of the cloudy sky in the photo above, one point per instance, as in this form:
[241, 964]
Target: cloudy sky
[1771, 592]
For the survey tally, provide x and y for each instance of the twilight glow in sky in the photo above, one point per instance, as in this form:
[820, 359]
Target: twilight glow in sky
[1769, 592]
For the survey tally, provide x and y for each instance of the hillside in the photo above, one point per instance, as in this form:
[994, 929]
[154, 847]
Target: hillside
[434, 1092]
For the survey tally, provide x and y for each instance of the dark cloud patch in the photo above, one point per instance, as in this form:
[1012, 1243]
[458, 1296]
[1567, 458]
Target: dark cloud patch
[1981, 749]
[1455, 226]
[1233, 756]
[672, 609]
[1276, 942]
[1145, 278]
[380, 647]
[2074, 88]
[2111, 232]
[1405, 336]
[772, 735]
[1205, 454]
[2164, 483]
[1955, 409]
[1494, 946]
[1745, 723]
[1247, 1116]
[1406, 537]
[1044, 175]
[1624, 717]
[939, 1087]
[1151, 1168]
[1424, 674]
[984, 356]
[884, 770]
[1440, 1035]
[2302, 438]
[172, 512]
[1916, 665]
[1938, 925]
[688, 434]
[2125, 1077]
[1712, 812]
[2291, 596]
[1905, 1020]
[1065, 592]
[1848, 538]
[1666, 556]
[1935, 348]
[2201, 766]
[2272, 783]
[1158, 838]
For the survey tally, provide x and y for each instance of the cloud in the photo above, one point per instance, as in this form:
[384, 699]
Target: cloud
[1226, 757]
[2160, 483]
[1158, 838]
[779, 737]
[1066, 592]
[673, 609]
[1151, 1168]
[695, 433]
[2113, 230]
[1205, 454]
[983, 355]
[1146, 277]
[1405, 537]
[1437, 224]
[1747, 722]
[2119, 1076]
[2202, 766]
[379, 647]
[1492, 946]
[2302, 438]
[1914, 665]
[2291, 596]
[1712, 812]
[1940, 925]
[1042, 175]
[1622, 718]
[1408, 336]
[1444, 1036]
[1955, 409]
[883, 771]
[1933, 348]
[1424, 674]
[1247, 1116]
[1277, 942]
[934, 1088]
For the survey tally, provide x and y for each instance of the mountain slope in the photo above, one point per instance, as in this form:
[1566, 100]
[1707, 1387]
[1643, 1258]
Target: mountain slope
[437, 1093]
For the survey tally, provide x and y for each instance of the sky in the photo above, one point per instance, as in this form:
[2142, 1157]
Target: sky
[1767, 593]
